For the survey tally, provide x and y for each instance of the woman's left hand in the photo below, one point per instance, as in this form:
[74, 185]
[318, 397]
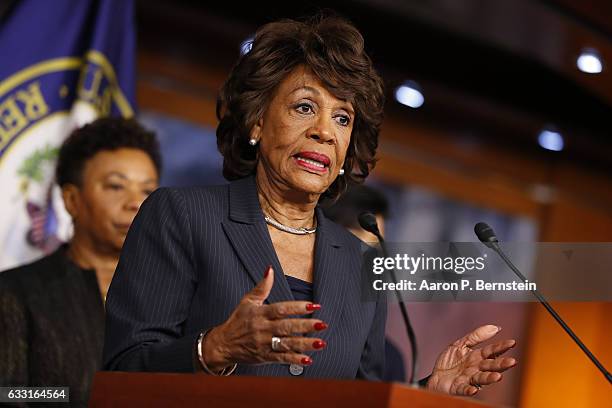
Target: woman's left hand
[462, 369]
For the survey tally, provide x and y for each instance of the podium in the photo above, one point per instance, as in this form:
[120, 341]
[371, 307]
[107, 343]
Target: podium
[121, 389]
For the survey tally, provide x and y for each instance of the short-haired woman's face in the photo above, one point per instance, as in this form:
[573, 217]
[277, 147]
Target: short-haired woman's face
[304, 133]
[113, 186]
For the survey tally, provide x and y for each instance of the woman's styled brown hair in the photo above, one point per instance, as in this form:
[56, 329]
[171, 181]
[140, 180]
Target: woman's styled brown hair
[333, 49]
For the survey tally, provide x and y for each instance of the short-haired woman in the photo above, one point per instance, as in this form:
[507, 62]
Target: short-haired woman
[52, 310]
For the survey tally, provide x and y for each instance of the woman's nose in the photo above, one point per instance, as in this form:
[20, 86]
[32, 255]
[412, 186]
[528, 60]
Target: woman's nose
[322, 132]
[134, 200]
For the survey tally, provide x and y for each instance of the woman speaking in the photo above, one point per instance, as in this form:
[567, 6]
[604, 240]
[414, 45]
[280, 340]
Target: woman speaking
[250, 278]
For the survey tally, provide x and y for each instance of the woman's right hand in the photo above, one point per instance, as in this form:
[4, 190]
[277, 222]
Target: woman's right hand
[246, 337]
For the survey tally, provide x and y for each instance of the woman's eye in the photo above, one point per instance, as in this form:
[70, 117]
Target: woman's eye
[343, 120]
[304, 108]
[114, 187]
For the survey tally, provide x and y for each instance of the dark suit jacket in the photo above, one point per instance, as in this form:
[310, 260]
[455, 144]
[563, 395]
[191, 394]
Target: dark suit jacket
[192, 254]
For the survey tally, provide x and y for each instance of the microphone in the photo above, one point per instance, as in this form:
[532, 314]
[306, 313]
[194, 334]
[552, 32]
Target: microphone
[368, 222]
[487, 236]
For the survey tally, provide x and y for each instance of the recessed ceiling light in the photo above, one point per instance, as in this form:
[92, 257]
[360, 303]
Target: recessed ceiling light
[589, 61]
[410, 94]
[551, 140]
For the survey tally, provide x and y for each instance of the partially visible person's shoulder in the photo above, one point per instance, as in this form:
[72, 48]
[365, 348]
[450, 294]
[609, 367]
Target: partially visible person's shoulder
[36, 274]
[208, 200]
[206, 195]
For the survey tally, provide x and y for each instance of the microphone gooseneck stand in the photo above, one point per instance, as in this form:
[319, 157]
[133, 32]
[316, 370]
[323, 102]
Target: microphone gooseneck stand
[368, 222]
[487, 236]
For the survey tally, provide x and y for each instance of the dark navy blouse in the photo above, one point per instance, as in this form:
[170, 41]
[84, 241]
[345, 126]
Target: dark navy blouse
[301, 290]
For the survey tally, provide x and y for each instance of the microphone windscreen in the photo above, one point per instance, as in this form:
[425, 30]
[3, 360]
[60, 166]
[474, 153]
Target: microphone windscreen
[368, 222]
[485, 233]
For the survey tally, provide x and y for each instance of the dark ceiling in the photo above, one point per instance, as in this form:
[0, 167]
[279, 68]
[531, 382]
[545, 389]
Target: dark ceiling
[498, 70]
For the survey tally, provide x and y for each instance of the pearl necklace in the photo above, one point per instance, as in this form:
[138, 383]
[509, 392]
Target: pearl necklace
[297, 231]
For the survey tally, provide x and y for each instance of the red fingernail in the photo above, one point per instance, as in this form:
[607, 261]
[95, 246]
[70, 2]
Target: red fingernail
[319, 344]
[306, 361]
[267, 272]
[313, 306]
[320, 326]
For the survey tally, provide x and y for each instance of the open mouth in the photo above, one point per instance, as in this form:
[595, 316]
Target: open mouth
[312, 161]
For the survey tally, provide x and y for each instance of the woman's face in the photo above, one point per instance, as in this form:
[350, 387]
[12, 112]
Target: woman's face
[304, 134]
[114, 185]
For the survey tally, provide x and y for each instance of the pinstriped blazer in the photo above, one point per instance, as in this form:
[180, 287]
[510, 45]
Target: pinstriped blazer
[192, 254]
